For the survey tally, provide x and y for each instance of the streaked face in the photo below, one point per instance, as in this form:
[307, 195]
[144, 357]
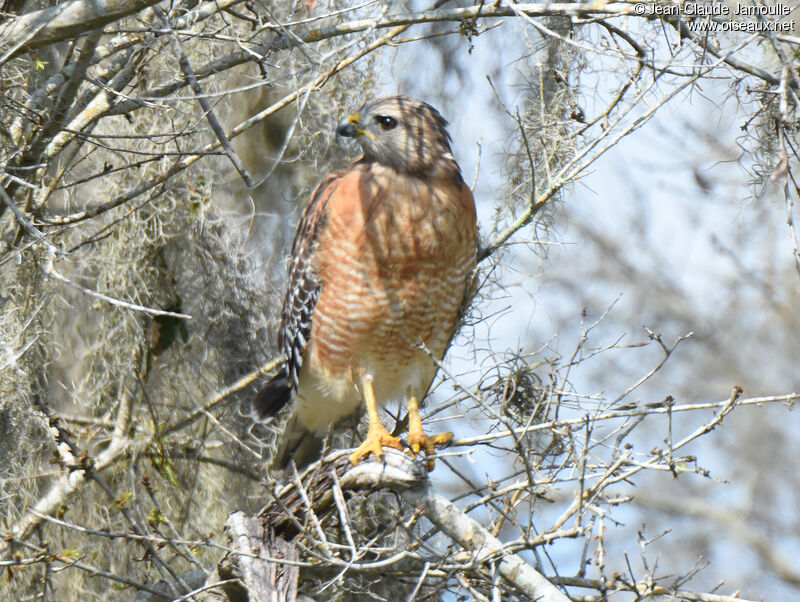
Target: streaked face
[400, 132]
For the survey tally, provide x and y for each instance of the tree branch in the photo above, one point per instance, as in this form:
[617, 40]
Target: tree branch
[400, 473]
[63, 21]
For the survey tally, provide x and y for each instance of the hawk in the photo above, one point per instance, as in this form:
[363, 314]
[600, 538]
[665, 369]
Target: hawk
[380, 265]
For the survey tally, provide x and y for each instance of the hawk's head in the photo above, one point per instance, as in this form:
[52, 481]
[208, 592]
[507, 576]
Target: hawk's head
[400, 132]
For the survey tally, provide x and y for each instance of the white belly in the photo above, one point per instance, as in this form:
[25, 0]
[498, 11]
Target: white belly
[320, 403]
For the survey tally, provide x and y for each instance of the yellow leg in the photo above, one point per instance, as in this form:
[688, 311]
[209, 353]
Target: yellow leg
[377, 435]
[417, 438]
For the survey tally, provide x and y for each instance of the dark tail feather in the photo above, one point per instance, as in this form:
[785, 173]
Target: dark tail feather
[273, 396]
[298, 445]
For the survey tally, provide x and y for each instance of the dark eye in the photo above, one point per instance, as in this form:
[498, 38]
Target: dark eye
[387, 123]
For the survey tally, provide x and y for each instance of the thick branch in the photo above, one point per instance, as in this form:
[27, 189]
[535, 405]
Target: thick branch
[74, 477]
[63, 21]
[472, 536]
[400, 473]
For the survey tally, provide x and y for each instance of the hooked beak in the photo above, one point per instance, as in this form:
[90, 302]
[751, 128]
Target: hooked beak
[349, 128]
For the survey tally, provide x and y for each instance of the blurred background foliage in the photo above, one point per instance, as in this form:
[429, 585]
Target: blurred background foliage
[635, 185]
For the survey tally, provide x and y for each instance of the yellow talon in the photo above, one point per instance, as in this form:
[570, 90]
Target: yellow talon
[417, 438]
[377, 435]
[376, 439]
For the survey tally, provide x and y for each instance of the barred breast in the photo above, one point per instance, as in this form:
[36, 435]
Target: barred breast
[394, 259]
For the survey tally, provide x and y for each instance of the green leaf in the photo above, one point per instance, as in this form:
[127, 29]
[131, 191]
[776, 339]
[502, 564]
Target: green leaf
[165, 470]
[122, 500]
[69, 554]
[155, 517]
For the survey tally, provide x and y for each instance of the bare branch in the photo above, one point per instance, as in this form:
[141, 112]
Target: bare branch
[62, 22]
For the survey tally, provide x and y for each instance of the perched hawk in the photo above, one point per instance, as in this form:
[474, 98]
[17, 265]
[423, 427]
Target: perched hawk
[380, 263]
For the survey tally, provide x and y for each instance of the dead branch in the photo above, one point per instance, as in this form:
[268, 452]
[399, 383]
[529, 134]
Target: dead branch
[400, 473]
[62, 22]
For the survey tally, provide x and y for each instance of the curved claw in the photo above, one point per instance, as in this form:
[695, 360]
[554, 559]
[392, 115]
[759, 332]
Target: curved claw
[376, 439]
[418, 440]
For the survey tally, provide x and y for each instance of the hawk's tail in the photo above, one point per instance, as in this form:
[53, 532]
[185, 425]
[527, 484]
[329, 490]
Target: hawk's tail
[297, 444]
[273, 396]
